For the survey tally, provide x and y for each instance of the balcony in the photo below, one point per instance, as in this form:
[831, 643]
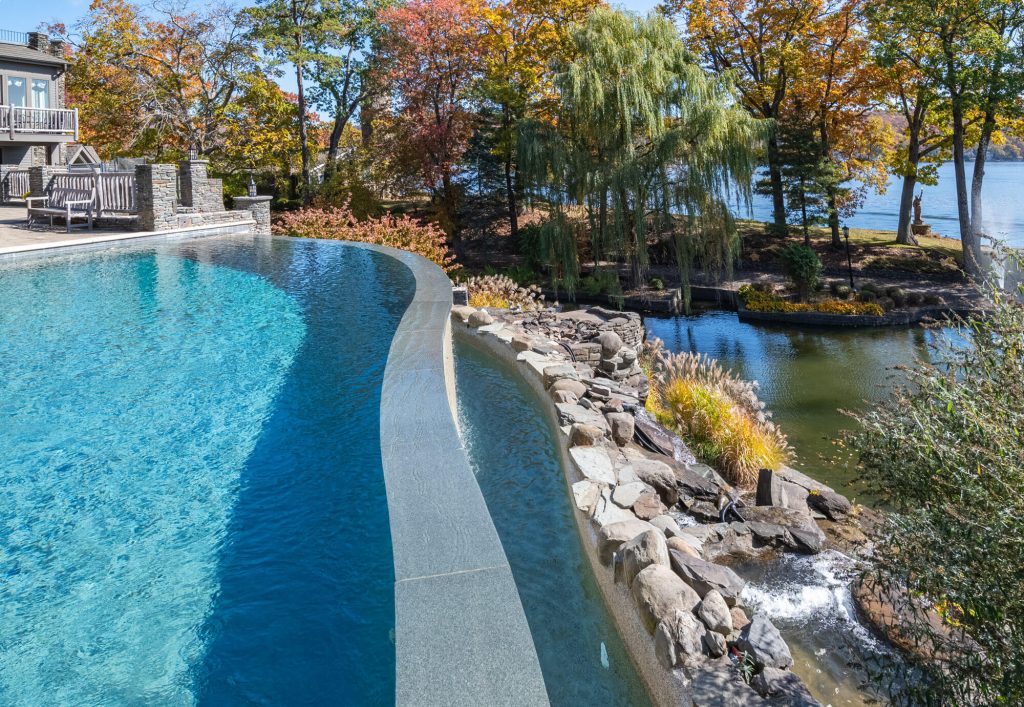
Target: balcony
[46, 124]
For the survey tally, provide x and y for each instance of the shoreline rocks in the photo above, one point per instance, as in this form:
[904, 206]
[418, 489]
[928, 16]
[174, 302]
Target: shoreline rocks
[588, 363]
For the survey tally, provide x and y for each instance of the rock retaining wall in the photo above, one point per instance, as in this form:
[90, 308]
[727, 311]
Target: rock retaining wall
[650, 522]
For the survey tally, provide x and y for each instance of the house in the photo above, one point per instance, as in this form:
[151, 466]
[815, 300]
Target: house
[35, 127]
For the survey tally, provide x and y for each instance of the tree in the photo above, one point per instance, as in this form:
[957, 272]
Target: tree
[523, 39]
[946, 457]
[808, 176]
[639, 134]
[155, 84]
[761, 43]
[292, 31]
[431, 55]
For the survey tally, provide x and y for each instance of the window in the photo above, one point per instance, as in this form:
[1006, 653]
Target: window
[40, 93]
[17, 91]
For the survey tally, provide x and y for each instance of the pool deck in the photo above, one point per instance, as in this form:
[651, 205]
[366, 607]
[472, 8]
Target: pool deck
[461, 635]
[17, 240]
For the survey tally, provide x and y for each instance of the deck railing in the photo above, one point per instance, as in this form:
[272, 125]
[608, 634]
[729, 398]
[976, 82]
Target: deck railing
[14, 184]
[16, 120]
[8, 36]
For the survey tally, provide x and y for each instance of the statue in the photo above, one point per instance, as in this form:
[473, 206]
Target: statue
[917, 208]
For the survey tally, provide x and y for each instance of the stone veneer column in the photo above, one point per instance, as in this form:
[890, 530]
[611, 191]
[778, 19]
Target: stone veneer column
[39, 179]
[198, 191]
[259, 207]
[157, 196]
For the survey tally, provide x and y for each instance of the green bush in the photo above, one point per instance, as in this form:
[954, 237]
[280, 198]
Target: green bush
[867, 296]
[897, 295]
[915, 299]
[886, 303]
[944, 455]
[529, 246]
[842, 291]
[602, 282]
[657, 284]
[933, 299]
[803, 266]
[871, 287]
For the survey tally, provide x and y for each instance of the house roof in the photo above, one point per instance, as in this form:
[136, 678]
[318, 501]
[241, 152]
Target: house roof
[17, 52]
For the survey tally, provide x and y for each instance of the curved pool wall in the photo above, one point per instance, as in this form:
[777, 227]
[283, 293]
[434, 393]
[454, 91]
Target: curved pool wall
[226, 412]
[514, 454]
[663, 688]
[461, 636]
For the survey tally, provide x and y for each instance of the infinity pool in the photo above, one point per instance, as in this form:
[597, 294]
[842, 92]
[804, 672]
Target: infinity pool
[192, 506]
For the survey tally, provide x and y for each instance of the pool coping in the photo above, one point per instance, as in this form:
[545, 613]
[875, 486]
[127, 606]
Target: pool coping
[461, 634]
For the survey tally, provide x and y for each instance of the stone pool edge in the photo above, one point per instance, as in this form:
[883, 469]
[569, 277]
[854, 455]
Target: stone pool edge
[461, 635]
[662, 688]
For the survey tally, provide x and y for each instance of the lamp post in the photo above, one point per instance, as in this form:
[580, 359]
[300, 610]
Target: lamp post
[849, 261]
[193, 153]
[252, 185]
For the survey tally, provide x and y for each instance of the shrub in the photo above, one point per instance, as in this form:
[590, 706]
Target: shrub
[867, 296]
[718, 414]
[602, 282]
[933, 299]
[757, 301]
[886, 303]
[897, 294]
[657, 284]
[945, 455]
[915, 299]
[341, 224]
[906, 263]
[803, 266]
[843, 291]
[870, 287]
[502, 292]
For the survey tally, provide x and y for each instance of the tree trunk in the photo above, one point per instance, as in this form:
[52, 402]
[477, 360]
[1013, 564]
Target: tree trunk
[803, 212]
[340, 120]
[904, 233]
[971, 265]
[307, 194]
[775, 177]
[833, 219]
[977, 179]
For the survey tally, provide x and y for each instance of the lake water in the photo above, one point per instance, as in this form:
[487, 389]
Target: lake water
[1002, 199]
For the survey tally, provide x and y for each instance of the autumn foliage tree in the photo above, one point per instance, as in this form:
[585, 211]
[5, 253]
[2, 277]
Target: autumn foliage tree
[431, 54]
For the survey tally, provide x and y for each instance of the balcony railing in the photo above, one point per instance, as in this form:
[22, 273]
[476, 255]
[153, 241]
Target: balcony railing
[16, 120]
[8, 36]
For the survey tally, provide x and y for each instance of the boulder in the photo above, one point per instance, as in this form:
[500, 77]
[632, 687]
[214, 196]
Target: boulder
[678, 544]
[764, 644]
[665, 646]
[704, 576]
[594, 464]
[739, 618]
[571, 414]
[621, 425]
[564, 396]
[648, 506]
[714, 612]
[581, 435]
[462, 312]
[694, 485]
[614, 535]
[608, 513]
[569, 385]
[718, 684]
[830, 504]
[586, 495]
[610, 343]
[616, 405]
[659, 475]
[557, 372]
[625, 495]
[666, 524]
[784, 687]
[773, 490]
[659, 593]
[480, 318]
[687, 632]
[521, 342]
[644, 550]
[715, 644]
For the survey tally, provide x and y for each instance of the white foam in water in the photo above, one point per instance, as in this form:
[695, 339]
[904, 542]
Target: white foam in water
[811, 589]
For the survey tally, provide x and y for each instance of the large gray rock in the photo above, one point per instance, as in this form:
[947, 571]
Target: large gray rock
[704, 576]
[764, 644]
[607, 512]
[565, 397]
[594, 464]
[687, 632]
[557, 372]
[521, 342]
[714, 612]
[665, 646]
[462, 312]
[586, 495]
[610, 343]
[830, 504]
[480, 318]
[718, 684]
[615, 535]
[648, 506]
[569, 385]
[621, 425]
[625, 495]
[572, 414]
[581, 435]
[679, 544]
[773, 490]
[784, 687]
[666, 524]
[659, 475]
[715, 644]
[641, 552]
[659, 593]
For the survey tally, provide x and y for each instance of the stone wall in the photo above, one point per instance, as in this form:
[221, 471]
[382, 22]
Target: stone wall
[198, 190]
[157, 186]
[258, 207]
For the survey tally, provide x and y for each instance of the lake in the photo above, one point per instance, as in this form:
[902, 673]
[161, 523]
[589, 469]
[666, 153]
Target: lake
[1001, 192]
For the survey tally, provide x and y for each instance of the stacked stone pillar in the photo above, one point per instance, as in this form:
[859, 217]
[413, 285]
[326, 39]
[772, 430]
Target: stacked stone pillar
[157, 196]
[39, 179]
[198, 191]
[259, 207]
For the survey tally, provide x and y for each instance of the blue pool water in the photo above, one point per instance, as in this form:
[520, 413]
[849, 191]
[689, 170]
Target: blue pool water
[513, 455]
[192, 507]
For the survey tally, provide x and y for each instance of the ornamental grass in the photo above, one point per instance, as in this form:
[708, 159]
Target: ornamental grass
[502, 292]
[339, 223]
[718, 414]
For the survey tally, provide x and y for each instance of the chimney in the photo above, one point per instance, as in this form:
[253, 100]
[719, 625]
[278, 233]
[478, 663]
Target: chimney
[40, 41]
[57, 48]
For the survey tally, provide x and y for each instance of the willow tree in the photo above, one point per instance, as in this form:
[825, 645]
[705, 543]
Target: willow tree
[644, 144]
